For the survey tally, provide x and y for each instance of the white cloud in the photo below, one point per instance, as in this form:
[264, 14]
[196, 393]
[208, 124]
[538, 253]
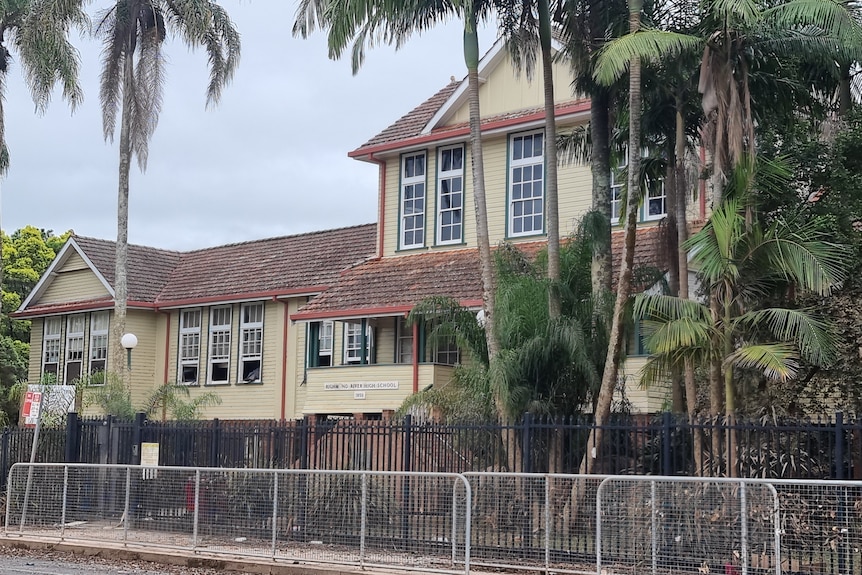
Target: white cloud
[271, 159]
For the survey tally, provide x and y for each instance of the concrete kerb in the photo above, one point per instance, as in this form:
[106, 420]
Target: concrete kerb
[190, 559]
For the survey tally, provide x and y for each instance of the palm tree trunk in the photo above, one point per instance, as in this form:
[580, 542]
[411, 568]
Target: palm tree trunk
[486, 263]
[681, 211]
[600, 165]
[551, 188]
[845, 99]
[118, 326]
[615, 347]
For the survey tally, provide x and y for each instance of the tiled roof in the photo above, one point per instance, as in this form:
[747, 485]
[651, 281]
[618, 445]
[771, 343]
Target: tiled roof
[411, 124]
[395, 284]
[149, 268]
[304, 263]
[290, 263]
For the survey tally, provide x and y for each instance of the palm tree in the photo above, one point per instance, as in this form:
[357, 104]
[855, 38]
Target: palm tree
[362, 22]
[734, 38]
[741, 262]
[38, 31]
[615, 346]
[133, 33]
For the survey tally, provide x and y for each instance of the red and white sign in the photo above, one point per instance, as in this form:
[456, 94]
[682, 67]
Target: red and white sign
[30, 410]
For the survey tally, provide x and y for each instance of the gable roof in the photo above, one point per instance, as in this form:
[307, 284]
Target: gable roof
[273, 267]
[424, 123]
[289, 265]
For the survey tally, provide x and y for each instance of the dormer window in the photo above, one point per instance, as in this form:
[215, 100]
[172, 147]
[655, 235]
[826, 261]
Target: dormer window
[413, 200]
[526, 184]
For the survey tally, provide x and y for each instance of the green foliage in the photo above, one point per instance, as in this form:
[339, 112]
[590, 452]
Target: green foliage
[110, 395]
[744, 265]
[550, 367]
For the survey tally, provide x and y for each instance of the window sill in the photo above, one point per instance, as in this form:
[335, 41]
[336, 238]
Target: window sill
[216, 383]
[249, 383]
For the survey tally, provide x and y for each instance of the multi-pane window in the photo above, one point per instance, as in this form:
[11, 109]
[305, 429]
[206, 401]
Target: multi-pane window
[98, 342]
[219, 355]
[655, 200]
[526, 184]
[450, 192]
[51, 346]
[190, 346]
[74, 347]
[353, 343]
[251, 342]
[446, 352]
[413, 200]
[405, 342]
[324, 344]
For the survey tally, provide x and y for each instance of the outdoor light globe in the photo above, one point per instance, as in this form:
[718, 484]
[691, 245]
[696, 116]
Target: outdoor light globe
[129, 340]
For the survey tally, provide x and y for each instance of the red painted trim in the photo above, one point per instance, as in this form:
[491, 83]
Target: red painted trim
[574, 108]
[367, 312]
[416, 357]
[381, 202]
[284, 359]
[227, 298]
[167, 342]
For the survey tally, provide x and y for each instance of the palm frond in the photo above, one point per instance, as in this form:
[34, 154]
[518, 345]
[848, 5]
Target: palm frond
[811, 335]
[310, 14]
[647, 45]
[832, 16]
[777, 361]
[113, 27]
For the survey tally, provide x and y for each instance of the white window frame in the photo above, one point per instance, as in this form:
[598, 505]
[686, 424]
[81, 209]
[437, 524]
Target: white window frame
[251, 343]
[189, 352]
[325, 339]
[74, 355]
[52, 330]
[98, 353]
[219, 344]
[453, 179]
[412, 209]
[523, 209]
[655, 192]
[353, 343]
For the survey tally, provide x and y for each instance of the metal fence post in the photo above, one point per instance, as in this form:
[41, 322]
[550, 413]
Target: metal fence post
[214, 443]
[274, 511]
[71, 455]
[653, 527]
[839, 445]
[140, 417]
[527, 443]
[743, 505]
[666, 467]
[4, 456]
[405, 489]
[363, 520]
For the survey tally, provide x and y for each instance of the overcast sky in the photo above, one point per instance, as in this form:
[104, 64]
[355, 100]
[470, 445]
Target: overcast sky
[270, 160]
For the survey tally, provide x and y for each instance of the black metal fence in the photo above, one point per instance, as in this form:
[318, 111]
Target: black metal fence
[664, 444]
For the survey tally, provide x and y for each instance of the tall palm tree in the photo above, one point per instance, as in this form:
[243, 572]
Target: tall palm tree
[741, 262]
[133, 33]
[734, 38]
[615, 345]
[365, 22]
[38, 31]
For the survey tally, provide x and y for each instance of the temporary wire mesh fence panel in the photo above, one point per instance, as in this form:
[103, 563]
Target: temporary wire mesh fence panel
[821, 526]
[389, 519]
[686, 525]
[534, 522]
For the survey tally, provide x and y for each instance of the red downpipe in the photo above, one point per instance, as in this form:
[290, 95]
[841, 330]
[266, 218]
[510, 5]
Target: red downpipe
[416, 357]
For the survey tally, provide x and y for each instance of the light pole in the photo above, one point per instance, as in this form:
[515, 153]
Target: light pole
[129, 341]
